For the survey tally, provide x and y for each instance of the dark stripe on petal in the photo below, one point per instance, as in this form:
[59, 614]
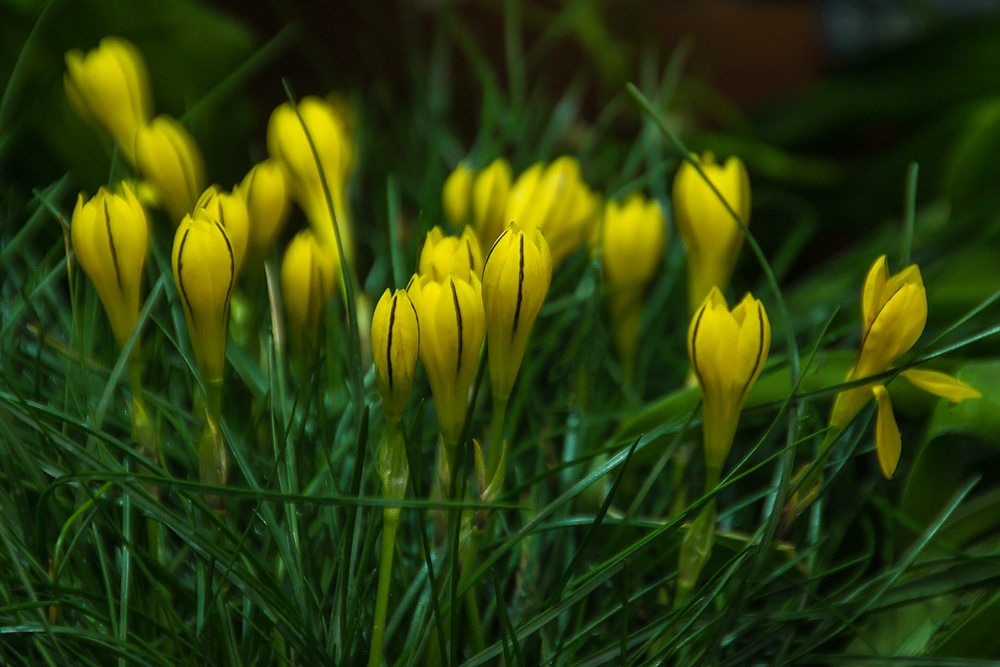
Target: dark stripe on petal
[694, 344]
[520, 289]
[180, 274]
[417, 318]
[490, 253]
[111, 242]
[388, 346]
[760, 350]
[232, 271]
[458, 317]
[472, 259]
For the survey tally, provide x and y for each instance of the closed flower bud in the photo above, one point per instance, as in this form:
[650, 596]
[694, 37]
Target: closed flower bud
[443, 256]
[230, 209]
[110, 239]
[894, 312]
[515, 281]
[110, 84]
[204, 271]
[395, 347]
[555, 200]
[727, 351]
[633, 236]
[308, 279]
[452, 327]
[710, 234]
[168, 157]
[288, 143]
[456, 195]
[489, 201]
[266, 194]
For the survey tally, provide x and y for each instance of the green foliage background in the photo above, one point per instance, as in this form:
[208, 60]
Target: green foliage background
[877, 571]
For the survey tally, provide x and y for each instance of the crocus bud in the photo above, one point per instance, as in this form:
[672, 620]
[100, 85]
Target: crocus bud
[204, 271]
[288, 143]
[555, 200]
[110, 239]
[456, 195]
[168, 157]
[727, 351]
[711, 236]
[266, 194]
[452, 327]
[894, 312]
[489, 201]
[110, 84]
[308, 279]
[395, 347]
[633, 236]
[515, 281]
[450, 255]
[230, 209]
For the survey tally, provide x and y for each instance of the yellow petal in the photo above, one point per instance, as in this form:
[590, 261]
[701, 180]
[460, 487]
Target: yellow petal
[887, 440]
[941, 384]
[265, 191]
[395, 347]
[168, 157]
[489, 201]
[456, 193]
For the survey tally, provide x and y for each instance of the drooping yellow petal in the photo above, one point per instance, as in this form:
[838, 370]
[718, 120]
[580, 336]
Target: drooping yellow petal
[887, 440]
[941, 384]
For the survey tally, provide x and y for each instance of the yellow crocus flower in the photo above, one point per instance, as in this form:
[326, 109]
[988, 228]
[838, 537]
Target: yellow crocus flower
[633, 238]
[308, 280]
[555, 200]
[395, 348]
[265, 191]
[727, 351]
[894, 312]
[110, 240]
[452, 328]
[711, 236]
[443, 255]
[515, 281]
[204, 266]
[230, 210]
[110, 84]
[489, 201]
[288, 143]
[169, 158]
[456, 195]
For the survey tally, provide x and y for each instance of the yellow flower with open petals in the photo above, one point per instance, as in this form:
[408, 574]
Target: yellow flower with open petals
[894, 312]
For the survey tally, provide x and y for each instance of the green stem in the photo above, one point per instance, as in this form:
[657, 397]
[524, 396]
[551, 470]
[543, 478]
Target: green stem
[390, 521]
[471, 601]
[496, 439]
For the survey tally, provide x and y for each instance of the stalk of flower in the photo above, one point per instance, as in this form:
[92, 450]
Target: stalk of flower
[204, 267]
[632, 238]
[110, 234]
[712, 238]
[894, 312]
[727, 349]
[110, 85]
[308, 280]
[288, 144]
[395, 346]
[556, 200]
[169, 158]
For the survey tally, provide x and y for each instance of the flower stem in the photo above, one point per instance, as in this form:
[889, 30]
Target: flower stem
[390, 521]
[496, 439]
